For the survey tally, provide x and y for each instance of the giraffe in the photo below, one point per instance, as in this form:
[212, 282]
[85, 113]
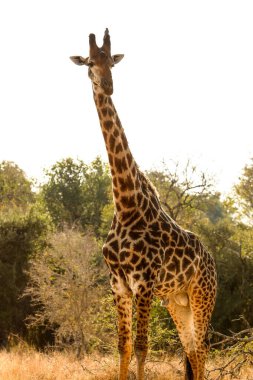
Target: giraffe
[148, 254]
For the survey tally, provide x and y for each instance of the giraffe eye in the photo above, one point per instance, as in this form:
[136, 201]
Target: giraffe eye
[91, 63]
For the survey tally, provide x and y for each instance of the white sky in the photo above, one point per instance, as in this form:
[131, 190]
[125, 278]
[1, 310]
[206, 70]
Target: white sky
[184, 89]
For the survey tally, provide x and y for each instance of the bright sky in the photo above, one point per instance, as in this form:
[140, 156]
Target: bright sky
[184, 89]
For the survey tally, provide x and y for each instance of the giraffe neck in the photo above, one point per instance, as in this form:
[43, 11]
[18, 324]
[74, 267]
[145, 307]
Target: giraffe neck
[127, 180]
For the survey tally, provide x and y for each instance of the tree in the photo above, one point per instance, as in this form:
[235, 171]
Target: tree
[96, 194]
[182, 193]
[63, 286]
[21, 235]
[76, 193]
[231, 244]
[15, 188]
[23, 230]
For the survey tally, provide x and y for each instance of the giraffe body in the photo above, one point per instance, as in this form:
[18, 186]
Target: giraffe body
[148, 254]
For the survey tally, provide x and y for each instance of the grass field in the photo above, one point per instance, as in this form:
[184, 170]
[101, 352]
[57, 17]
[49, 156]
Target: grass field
[32, 365]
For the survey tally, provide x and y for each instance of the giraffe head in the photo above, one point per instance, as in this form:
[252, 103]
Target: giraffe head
[100, 63]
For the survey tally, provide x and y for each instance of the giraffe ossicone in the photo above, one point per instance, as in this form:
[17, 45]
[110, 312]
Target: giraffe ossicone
[148, 254]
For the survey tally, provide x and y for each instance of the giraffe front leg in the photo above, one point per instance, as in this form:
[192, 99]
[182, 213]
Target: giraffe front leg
[143, 306]
[123, 301]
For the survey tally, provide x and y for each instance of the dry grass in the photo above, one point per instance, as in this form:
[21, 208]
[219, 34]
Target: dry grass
[32, 365]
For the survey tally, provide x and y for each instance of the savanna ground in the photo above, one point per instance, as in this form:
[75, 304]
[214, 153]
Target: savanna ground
[34, 365]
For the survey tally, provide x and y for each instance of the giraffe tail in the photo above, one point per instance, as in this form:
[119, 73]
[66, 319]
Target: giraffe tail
[188, 369]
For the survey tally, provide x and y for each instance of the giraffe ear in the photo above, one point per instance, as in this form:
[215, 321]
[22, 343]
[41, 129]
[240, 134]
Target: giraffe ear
[117, 58]
[78, 60]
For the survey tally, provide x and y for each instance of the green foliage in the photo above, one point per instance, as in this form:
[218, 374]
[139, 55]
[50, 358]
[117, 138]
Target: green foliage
[75, 193]
[163, 336]
[21, 236]
[106, 219]
[15, 188]
[231, 244]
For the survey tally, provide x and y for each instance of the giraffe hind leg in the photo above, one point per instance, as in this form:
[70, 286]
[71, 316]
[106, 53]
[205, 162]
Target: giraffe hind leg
[192, 333]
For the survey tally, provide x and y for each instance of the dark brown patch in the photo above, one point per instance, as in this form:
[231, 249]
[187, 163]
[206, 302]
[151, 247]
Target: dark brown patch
[171, 267]
[112, 143]
[120, 164]
[155, 230]
[139, 246]
[142, 264]
[104, 111]
[128, 202]
[169, 276]
[108, 124]
[112, 257]
[174, 236]
[147, 274]
[115, 245]
[129, 182]
[186, 262]
[135, 259]
[100, 100]
[119, 148]
[140, 225]
[181, 241]
[179, 252]
[165, 227]
[165, 239]
[135, 235]
[126, 183]
[126, 215]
